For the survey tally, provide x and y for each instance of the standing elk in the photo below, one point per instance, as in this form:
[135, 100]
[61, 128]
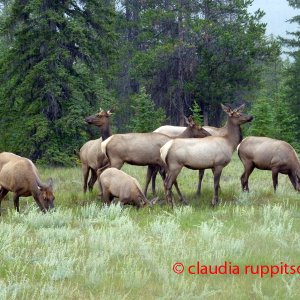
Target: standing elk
[210, 153]
[20, 176]
[174, 131]
[116, 183]
[90, 154]
[269, 154]
[143, 149]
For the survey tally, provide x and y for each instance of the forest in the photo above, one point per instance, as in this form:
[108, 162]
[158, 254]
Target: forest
[152, 62]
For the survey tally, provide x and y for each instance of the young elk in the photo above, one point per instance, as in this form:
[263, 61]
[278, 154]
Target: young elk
[91, 156]
[143, 149]
[268, 154]
[20, 176]
[174, 131]
[210, 153]
[116, 183]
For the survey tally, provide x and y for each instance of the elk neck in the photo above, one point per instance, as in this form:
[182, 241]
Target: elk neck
[105, 131]
[234, 134]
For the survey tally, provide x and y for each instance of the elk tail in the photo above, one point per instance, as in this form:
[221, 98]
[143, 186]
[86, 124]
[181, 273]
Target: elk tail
[164, 150]
[104, 146]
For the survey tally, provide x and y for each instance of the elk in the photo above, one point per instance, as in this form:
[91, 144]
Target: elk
[213, 152]
[90, 154]
[116, 183]
[269, 154]
[143, 149]
[174, 131]
[20, 176]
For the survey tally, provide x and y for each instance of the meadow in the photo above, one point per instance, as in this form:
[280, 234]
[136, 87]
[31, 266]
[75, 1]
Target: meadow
[84, 250]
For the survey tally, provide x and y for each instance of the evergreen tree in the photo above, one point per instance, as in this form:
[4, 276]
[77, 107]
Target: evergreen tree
[146, 116]
[293, 74]
[207, 50]
[263, 125]
[57, 51]
[197, 114]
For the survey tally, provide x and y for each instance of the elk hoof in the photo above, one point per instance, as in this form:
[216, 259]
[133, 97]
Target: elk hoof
[184, 201]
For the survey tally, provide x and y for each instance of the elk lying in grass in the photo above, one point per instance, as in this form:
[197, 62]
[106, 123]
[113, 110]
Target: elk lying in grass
[210, 153]
[116, 183]
[143, 149]
[269, 154]
[91, 156]
[174, 131]
[20, 176]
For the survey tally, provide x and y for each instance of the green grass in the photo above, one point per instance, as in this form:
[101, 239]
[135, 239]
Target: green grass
[84, 250]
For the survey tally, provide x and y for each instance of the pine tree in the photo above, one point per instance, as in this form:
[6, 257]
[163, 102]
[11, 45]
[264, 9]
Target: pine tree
[57, 51]
[263, 125]
[146, 116]
[293, 74]
[197, 114]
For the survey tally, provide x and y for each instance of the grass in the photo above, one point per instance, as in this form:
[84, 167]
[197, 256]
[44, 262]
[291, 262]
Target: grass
[84, 250]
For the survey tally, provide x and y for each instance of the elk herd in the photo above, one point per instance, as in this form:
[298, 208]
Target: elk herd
[165, 151]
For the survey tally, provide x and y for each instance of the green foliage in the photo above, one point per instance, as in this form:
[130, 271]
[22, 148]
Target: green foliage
[146, 116]
[57, 53]
[196, 113]
[273, 118]
[263, 124]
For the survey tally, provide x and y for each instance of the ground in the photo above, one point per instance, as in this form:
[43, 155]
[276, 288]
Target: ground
[84, 250]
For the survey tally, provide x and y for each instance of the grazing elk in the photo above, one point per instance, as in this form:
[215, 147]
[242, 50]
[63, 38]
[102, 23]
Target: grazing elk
[210, 153]
[174, 131]
[116, 183]
[91, 156]
[20, 176]
[143, 149]
[269, 154]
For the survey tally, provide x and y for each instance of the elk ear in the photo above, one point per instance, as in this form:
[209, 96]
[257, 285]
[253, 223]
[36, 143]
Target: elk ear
[227, 109]
[109, 112]
[240, 108]
[186, 120]
[189, 121]
[50, 182]
[100, 110]
[41, 188]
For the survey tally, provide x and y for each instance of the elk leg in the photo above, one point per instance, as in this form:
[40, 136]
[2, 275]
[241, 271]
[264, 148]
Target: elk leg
[92, 179]
[245, 176]
[217, 175]
[169, 181]
[153, 178]
[201, 174]
[275, 178]
[293, 180]
[3, 193]
[16, 202]
[107, 198]
[85, 171]
[150, 171]
[118, 164]
[182, 198]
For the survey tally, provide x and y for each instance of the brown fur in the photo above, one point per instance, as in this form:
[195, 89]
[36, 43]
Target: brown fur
[91, 156]
[175, 131]
[143, 148]
[210, 153]
[269, 154]
[20, 176]
[116, 183]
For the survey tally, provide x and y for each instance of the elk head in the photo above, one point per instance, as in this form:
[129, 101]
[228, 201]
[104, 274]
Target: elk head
[46, 196]
[236, 116]
[194, 130]
[99, 119]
